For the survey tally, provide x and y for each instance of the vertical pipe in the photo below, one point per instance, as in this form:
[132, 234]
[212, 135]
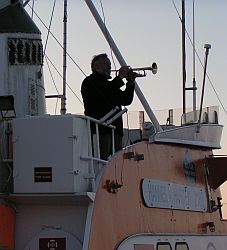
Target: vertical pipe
[122, 62]
[63, 98]
[113, 142]
[97, 140]
[207, 47]
[141, 120]
[194, 81]
[90, 154]
[183, 56]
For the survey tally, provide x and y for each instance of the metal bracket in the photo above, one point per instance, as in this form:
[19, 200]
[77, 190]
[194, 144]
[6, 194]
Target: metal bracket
[112, 186]
[139, 157]
[128, 155]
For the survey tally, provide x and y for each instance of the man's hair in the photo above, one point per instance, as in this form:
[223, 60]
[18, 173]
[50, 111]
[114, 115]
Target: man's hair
[96, 58]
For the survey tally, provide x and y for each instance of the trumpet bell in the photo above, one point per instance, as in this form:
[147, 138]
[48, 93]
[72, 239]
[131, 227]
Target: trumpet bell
[154, 68]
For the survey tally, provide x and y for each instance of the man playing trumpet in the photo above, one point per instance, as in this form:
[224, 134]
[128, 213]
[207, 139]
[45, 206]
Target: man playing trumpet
[101, 95]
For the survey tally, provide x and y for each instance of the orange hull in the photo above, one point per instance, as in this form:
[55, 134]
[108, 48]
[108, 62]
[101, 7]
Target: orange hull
[118, 215]
[7, 227]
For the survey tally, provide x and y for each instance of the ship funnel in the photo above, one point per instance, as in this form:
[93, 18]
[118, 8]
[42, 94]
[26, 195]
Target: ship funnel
[21, 59]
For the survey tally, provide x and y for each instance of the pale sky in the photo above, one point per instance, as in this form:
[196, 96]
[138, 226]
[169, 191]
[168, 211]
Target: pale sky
[145, 31]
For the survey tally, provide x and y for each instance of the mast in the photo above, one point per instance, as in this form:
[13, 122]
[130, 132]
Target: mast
[194, 81]
[183, 56]
[122, 62]
[63, 98]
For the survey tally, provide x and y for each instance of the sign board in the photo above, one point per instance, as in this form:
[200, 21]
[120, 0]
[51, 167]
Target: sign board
[43, 174]
[161, 194]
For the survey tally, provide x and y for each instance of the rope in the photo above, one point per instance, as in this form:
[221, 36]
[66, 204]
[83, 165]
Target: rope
[48, 32]
[104, 22]
[48, 59]
[62, 77]
[77, 65]
[53, 83]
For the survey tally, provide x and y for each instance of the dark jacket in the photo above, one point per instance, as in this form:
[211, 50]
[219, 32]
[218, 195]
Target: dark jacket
[100, 96]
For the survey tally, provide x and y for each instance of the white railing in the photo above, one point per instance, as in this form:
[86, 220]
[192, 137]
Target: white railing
[96, 163]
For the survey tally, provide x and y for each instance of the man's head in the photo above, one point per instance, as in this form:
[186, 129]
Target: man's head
[101, 64]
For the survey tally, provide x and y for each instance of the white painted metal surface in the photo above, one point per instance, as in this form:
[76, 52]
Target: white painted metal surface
[51, 238]
[194, 242]
[47, 154]
[48, 221]
[16, 79]
[207, 135]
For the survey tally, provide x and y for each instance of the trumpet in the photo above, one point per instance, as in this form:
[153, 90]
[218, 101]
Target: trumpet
[153, 68]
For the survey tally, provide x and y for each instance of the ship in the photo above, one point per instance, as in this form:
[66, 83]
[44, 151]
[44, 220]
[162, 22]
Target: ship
[160, 192]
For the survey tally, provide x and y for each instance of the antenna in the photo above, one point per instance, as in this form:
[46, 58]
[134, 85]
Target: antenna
[194, 88]
[207, 48]
[183, 56]
[194, 81]
[63, 98]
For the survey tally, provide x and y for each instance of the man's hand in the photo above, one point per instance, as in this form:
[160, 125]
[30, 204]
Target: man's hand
[124, 72]
[131, 76]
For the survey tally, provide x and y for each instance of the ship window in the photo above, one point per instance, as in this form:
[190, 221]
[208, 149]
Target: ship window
[27, 53]
[12, 53]
[34, 52]
[164, 246]
[40, 53]
[181, 246]
[20, 54]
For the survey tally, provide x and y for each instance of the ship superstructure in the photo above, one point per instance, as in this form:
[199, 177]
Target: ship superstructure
[160, 192]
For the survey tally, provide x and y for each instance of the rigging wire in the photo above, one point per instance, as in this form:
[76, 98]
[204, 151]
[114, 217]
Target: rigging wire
[198, 57]
[47, 37]
[33, 5]
[48, 59]
[44, 51]
[62, 77]
[48, 32]
[51, 74]
[193, 56]
[107, 35]
[53, 83]
[26, 2]
[111, 52]
[76, 64]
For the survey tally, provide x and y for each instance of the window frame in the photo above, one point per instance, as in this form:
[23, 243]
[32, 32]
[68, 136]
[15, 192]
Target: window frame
[166, 243]
[181, 243]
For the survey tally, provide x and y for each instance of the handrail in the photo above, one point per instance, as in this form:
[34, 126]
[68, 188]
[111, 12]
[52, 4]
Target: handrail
[91, 165]
[95, 143]
[112, 112]
[116, 116]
